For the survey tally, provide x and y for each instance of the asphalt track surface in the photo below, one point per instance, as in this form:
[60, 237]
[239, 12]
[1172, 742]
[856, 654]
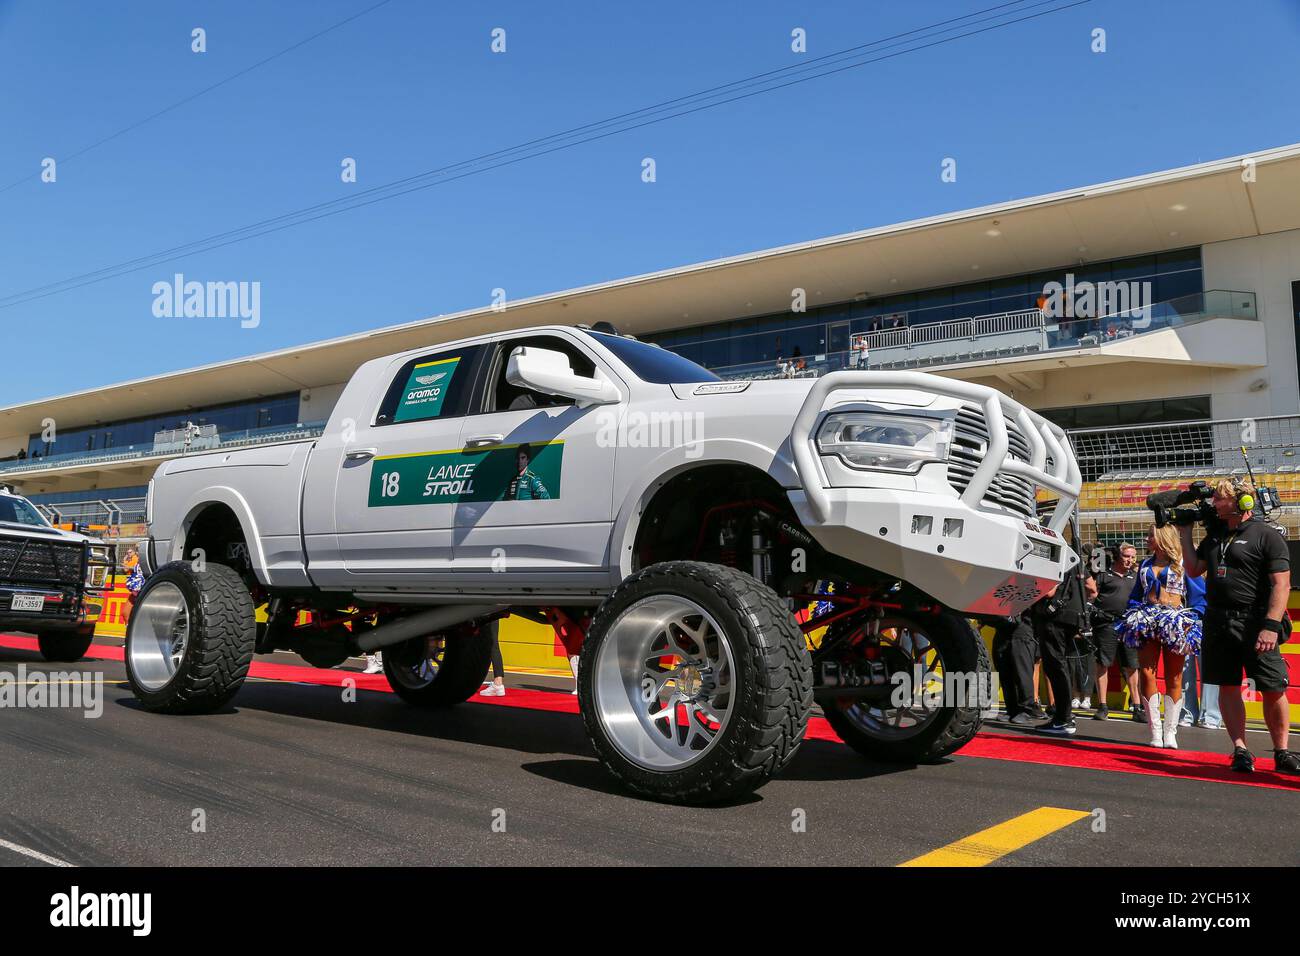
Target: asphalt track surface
[292, 773]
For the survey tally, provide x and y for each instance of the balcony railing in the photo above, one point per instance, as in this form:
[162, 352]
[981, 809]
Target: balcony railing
[269, 435]
[999, 336]
[95, 511]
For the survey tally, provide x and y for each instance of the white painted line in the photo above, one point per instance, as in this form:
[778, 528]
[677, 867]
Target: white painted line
[34, 854]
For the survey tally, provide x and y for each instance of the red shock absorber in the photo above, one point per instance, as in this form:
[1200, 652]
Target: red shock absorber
[571, 631]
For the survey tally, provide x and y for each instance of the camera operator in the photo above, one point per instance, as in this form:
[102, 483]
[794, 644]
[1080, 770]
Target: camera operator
[1113, 588]
[1248, 579]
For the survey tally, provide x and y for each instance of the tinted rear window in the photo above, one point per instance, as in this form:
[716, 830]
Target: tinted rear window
[652, 363]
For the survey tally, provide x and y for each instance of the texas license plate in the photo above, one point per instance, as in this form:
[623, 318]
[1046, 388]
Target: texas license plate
[28, 602]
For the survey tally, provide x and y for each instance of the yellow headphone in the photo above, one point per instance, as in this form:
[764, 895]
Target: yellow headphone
[1245, 500]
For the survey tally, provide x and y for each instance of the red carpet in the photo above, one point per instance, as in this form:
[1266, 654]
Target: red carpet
[1083, 754]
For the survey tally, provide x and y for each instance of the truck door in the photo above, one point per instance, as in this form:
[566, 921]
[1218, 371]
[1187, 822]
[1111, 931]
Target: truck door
[399, 474]
[542, 505]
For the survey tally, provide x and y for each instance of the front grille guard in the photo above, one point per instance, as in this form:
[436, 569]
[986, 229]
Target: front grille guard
[1046, 440]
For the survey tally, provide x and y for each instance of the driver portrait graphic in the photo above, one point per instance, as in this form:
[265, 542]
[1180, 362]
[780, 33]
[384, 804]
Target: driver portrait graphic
[525, 486]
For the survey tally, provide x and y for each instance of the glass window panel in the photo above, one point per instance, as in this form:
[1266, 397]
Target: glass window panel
[1138, 267]
[1178, 260]
[1177, 285]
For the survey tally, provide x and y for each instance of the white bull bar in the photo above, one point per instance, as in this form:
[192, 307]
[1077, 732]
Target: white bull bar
[1044, 438]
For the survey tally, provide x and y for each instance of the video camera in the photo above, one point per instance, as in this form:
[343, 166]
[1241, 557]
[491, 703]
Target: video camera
[1168, 506]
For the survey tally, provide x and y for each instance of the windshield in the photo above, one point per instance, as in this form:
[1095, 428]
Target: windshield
[20, 511]
[652, 363]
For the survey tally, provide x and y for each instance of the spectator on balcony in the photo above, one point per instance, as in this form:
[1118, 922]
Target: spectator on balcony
[22, 454]
[858, 352]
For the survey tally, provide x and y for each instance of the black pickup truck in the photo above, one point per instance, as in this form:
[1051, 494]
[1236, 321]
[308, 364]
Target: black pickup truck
[48, 578]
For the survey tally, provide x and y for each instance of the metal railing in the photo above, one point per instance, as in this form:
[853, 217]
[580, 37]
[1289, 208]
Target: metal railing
[954, 329]
[1001, 335]
[100, 511]
[253, 436]
[189, 438]
[1188, 449]
[1121, 465]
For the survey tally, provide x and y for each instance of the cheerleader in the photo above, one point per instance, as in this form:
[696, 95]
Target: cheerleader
[1164, 618]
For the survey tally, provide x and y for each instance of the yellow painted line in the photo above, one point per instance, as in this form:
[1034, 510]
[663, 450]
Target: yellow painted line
[981, 849]
[438, 362]
[469, 451]
[417, 454]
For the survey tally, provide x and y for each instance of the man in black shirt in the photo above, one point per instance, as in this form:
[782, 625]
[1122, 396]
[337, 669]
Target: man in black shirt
[1114, 586]
[1248, 579]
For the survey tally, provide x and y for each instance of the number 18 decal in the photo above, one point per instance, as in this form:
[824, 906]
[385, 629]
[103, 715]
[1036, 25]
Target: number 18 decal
[389, 483]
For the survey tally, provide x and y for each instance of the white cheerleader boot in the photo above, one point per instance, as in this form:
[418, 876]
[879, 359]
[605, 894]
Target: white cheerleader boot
[1153, 721]
[1173, 708]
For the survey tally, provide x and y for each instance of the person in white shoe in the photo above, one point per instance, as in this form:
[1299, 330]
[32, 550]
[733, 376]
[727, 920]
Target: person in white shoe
[497, 686]
[1163, 621]
[374, 663]
[573, 666]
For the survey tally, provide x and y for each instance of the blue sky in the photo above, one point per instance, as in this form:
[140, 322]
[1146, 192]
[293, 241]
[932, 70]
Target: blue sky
[414, 85]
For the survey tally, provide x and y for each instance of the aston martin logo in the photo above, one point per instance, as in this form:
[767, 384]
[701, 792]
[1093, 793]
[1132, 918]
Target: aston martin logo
[430, 379]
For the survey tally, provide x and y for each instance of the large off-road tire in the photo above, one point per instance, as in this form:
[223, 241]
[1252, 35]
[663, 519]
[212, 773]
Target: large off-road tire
[442, 669]
[694, 683]
[65, 645]
[940, 643]
[190, 638]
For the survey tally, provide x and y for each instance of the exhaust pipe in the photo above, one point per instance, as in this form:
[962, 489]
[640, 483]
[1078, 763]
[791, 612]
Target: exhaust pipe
[423, 623]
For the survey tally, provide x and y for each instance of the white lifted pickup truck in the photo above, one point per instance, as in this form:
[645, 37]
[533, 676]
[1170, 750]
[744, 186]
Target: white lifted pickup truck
[719, 554]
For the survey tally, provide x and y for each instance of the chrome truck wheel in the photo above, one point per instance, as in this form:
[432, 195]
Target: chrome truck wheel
[190, 638]
[937, 708]
[694, 683]
[161, 625]
[441, 669]
[664, 678]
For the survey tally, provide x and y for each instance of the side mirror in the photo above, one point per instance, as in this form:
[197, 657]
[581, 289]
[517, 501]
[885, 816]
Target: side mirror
[548, 371]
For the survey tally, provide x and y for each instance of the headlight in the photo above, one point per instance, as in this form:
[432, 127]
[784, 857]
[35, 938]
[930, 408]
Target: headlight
[99, 565]
[884, 441]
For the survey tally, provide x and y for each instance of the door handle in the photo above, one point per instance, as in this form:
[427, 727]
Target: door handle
[360, 454]
[484, 441]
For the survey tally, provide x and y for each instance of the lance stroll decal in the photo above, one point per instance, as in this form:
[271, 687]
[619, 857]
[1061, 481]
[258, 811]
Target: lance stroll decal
[501, 473]
[425, 390]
